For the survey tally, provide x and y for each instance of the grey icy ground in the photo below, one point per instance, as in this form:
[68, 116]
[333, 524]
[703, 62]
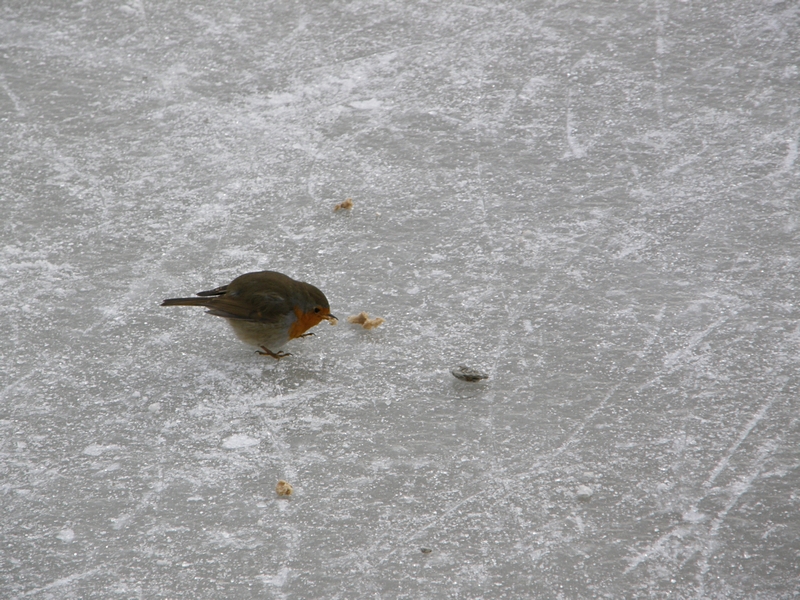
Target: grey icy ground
[594, 202]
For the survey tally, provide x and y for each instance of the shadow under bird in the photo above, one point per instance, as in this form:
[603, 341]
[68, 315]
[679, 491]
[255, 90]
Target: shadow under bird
[266, 309]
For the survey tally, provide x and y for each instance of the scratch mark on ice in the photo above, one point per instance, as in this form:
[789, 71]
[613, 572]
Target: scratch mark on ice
[736, 489]
[791, 156]
[10, 93]
[723, 463]
[671, 360]
[63, 581]
[576, 149]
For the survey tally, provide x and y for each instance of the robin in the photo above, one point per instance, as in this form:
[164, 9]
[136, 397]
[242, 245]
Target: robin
[266, 309]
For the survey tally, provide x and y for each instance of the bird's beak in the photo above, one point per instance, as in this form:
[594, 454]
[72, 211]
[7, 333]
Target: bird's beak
[332, 318]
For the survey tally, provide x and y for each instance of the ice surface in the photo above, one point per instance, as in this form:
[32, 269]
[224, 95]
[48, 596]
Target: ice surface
[595, 203]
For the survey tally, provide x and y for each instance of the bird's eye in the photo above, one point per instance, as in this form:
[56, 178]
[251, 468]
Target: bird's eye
[317, 309]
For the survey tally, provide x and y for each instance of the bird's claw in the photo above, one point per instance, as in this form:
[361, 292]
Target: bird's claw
[276, 355]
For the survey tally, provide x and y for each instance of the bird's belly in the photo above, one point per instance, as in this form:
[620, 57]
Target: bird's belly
[269, 335]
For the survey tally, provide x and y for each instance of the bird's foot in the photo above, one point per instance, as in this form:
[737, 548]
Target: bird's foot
[310, 333]
[276, 355]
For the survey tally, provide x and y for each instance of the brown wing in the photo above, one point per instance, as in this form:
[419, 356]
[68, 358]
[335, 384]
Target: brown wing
[261, 307]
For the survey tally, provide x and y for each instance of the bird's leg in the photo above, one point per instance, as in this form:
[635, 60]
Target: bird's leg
[276, 355]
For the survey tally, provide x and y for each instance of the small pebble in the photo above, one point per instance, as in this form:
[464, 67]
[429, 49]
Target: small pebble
[466, 374]
[426, 550]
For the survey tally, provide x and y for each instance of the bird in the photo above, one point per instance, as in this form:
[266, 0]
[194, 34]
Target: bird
[266, 309]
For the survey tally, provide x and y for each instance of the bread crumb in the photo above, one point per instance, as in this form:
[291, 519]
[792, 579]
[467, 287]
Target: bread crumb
[373, 323]
[346, 205]
[284, 489]
[358, 319]
[364, 320]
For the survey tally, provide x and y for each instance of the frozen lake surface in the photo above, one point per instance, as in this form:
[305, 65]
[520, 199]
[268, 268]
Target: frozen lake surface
[595, 203]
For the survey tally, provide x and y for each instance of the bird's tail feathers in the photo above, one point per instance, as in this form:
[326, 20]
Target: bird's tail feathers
[186, 301]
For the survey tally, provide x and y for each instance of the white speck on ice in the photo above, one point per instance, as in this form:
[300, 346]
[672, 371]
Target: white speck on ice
[239, 440]
[366, 104]
[276, 580]
[66, 535]
[97, 449]
[584, 492]
[693, 516]
[121, 521]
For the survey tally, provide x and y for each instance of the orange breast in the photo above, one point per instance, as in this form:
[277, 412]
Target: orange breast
[305, 321]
